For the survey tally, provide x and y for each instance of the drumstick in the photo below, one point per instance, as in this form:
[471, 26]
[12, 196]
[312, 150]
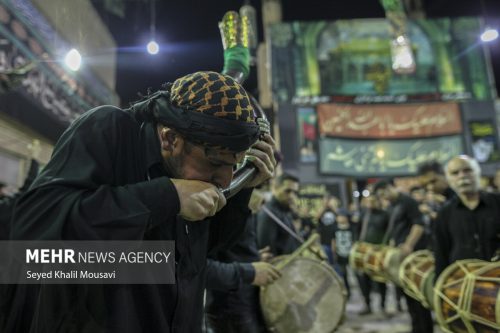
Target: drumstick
[279, 266]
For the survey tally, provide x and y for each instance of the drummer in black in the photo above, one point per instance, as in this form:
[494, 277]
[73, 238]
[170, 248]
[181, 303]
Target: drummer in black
[269, 232]
[405, 230]
[326, 225]
[374, 222]
[467, 227]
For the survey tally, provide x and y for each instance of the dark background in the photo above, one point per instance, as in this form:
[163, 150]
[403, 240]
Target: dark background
[189, 37]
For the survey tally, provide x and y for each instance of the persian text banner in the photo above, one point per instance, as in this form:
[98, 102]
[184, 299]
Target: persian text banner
[366, 158]
[389, 121]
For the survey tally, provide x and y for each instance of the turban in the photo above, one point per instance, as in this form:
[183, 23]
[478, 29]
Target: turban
[207, 108]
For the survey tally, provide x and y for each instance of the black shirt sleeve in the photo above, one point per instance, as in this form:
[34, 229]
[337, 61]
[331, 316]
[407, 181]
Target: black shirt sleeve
[228, 276]
[76, 195]
[228, 224]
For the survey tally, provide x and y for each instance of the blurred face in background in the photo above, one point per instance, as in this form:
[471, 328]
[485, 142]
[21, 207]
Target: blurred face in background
[388, 194]
[433, 182]
[418, 195]
[287, 192]
[342, 220]
[372, 202]
[334, 203]
[463, 175]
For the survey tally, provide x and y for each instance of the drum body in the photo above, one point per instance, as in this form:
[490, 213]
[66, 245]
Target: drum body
[380, 262]
[467, 297]
[308, 297]
[416, 275]
[359, 251]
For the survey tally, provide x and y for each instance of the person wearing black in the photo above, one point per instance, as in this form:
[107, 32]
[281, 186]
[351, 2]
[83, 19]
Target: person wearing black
[150, 172]
[467, 227]
[233, 275]
[342, 241]
[285, 189]
[374, 222]
[432, 179]
[326, 226]
[405, 230]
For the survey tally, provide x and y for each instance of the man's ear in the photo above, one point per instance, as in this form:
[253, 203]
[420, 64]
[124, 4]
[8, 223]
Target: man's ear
[172, 142]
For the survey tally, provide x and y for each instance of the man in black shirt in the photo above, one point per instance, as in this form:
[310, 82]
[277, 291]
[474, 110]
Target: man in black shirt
[269, 233]
[432, 178]
[405, 223]
[467, 227]
[405, 230]
[232, 278]
[151, 172]
[326, 226]
[342, 241]
[374, 222]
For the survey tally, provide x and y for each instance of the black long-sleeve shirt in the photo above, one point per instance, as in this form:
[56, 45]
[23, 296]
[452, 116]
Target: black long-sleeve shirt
[269, 233]
[462, 233]
[106, 181]
[405, 213]
[230, 274]
[375, 222]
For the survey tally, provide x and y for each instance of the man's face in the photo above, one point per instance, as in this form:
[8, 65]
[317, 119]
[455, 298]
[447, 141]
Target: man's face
[210, 165]
[462, 177]
[371, 202]
[433, 182]
[287, 192]
[386, 193]
[418, 195]
[334, 203]
[342, 219]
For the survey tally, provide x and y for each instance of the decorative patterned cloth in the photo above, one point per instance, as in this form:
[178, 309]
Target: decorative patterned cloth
[213, 94]
[207, 108]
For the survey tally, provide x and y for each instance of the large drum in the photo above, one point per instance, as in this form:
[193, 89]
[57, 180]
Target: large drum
[309, 297]
[416, 275]
[467, 298]
[380, 262]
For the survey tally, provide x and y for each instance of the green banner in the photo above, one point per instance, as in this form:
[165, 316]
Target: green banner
[378, 158]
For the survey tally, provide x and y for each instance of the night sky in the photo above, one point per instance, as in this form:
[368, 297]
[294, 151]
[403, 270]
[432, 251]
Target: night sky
[189, 37]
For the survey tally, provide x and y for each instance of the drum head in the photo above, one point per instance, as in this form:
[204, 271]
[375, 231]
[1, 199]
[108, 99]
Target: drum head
[416, 275]
[392, 261]
[467, 297]
[309, 297]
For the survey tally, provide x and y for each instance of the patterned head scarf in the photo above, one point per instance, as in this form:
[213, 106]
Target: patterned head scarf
[212, 94]
[207, 108]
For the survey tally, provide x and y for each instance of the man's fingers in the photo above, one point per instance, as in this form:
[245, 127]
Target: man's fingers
[261, 166]
[269, 139]
[216, 201]
[265, 249]
[274, 273]
[264, 149]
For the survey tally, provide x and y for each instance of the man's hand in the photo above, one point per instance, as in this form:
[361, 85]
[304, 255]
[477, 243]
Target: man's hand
[261, 154]
[405, 249]
[264, 274]
[198, 199]
[265, 254]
